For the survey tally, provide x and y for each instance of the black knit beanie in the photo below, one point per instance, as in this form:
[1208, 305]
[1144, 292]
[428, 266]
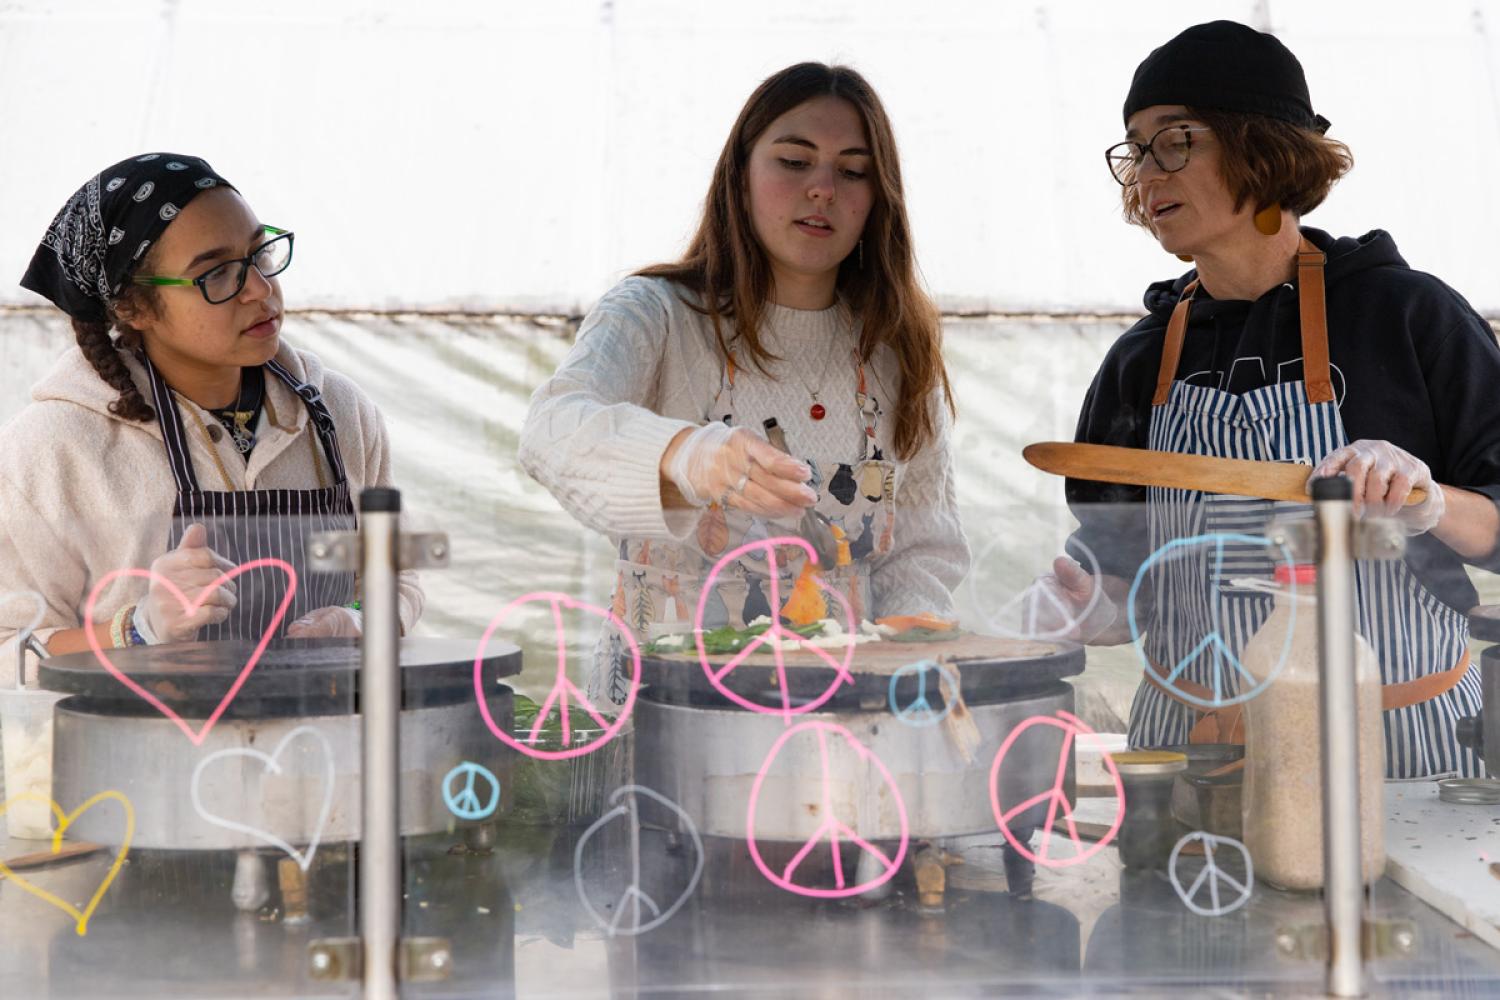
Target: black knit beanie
[1226, 66]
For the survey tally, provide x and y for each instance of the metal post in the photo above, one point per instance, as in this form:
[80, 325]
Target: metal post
[1343, 882]
[380, 712]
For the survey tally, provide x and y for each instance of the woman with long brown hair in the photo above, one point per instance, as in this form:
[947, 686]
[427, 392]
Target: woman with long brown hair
[789, 360]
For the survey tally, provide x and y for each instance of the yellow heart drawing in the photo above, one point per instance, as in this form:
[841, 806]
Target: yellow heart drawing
[64, 820]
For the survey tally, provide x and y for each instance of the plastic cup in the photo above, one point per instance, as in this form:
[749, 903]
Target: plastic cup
[26, 728]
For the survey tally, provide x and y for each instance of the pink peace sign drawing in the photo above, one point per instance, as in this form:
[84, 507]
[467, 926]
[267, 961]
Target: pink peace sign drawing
[776, 631]
[200, 734]
[562, 688]
[1055, 796]
[831, 827]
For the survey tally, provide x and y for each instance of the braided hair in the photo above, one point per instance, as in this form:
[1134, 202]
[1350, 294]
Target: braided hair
[104, 352]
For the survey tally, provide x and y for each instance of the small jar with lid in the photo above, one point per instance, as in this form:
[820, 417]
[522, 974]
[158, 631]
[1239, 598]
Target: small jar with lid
[1148, 832]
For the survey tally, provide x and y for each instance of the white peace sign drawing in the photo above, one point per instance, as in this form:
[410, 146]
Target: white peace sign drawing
[1022, 615]
[1213, 875]
[634, 897]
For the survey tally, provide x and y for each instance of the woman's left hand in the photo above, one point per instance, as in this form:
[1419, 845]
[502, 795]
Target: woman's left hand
[1383, 476]
[327, 623]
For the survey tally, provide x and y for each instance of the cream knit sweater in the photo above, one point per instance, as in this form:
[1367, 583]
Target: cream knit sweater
[83, 492]
[645, 366]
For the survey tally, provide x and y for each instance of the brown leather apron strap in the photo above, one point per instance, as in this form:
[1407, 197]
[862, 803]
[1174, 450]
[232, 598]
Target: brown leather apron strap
[1171, 348]
[1314, 320]
[1404, 694]
[1312, 313]
[1226, 724]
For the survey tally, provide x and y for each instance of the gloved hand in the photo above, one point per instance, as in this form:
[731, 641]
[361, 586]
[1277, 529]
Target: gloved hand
[1383, 476]
[732, 465]
[332, 622]
[191, 567]
[1058, 604]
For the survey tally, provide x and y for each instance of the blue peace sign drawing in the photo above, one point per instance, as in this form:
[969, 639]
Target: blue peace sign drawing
[1226, 665]
[463, 801]
[919, 711]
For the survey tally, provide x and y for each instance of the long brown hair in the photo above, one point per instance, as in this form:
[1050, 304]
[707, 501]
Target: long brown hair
[728, 270]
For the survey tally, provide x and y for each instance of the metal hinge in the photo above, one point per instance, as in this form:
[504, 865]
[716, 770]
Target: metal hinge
[1382, 939]
[418, 960]
[1379, 538]
[338, 551]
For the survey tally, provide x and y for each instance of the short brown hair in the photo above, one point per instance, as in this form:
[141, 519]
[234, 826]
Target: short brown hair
[1266, 162]
[728, 270]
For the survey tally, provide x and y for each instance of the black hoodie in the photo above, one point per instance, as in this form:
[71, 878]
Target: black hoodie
[1412, 364]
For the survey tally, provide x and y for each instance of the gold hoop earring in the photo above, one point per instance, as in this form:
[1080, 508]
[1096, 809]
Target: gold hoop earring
[1268, 220]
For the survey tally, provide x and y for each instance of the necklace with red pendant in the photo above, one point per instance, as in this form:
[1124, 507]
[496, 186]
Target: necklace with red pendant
[818, 411]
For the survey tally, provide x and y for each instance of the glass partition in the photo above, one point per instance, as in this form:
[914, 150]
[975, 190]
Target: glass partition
[625, 772]
[179, 817]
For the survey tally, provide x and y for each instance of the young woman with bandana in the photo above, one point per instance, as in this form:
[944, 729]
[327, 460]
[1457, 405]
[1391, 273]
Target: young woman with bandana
[182, 433]
[797, 300]
[1283, 343]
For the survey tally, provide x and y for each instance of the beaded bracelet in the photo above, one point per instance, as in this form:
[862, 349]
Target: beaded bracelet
[117, 637]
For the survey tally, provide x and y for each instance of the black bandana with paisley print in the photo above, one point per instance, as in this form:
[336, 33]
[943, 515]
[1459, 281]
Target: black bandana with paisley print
[93, 246]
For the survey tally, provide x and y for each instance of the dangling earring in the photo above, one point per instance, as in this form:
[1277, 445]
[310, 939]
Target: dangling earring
[1268, 220]
[861, 254]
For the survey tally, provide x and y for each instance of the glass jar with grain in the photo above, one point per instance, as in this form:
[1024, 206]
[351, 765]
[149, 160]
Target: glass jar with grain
[1282, 800]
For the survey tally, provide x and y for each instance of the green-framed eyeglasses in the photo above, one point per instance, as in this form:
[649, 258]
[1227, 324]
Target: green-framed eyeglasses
[225, 281]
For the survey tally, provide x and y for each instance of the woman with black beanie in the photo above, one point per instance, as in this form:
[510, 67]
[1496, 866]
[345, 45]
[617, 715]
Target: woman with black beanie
[1283, 343]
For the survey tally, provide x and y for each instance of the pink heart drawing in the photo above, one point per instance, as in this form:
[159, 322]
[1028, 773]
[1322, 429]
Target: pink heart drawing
[201, 734]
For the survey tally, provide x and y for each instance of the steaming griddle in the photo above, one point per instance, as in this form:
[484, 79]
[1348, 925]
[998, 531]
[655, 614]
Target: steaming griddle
[989, 669]
[293, 676]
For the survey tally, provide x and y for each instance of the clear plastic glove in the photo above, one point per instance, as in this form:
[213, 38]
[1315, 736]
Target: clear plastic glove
[332, 622]
[1383, 476]
[733, 466]
[191, 567]
[1058, 605]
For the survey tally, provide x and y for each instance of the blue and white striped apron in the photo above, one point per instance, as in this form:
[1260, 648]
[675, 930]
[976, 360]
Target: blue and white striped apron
[1413, 633]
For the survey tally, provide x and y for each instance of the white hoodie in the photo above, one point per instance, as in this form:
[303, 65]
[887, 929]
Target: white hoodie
[84, 492]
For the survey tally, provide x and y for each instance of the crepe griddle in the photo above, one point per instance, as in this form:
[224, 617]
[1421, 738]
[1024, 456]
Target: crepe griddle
[989, 670]
[293, 676]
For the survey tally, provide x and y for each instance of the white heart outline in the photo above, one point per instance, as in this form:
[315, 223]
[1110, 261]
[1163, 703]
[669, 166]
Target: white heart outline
[303, 861]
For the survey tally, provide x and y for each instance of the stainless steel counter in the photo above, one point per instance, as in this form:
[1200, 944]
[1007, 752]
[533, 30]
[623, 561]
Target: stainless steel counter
[518, 926]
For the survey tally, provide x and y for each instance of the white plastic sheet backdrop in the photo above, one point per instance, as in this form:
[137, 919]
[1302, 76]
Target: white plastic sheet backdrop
[519, 156]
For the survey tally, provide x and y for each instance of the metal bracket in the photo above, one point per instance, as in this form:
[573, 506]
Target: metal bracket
[424, 960]
[1380, 538]
[338, 551]
[334, 960]
[1382, 939]
[418, 960]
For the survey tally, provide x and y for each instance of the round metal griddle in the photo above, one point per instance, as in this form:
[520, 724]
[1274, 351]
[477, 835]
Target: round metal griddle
[679, 678]
[293, 676]
[1484, 623]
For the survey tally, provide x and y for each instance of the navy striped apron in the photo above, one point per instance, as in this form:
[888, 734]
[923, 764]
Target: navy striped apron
[245, 525]
[1414, 634]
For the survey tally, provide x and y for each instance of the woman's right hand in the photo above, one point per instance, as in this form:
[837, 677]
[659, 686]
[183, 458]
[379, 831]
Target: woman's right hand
[732, 465]
[191, 567]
